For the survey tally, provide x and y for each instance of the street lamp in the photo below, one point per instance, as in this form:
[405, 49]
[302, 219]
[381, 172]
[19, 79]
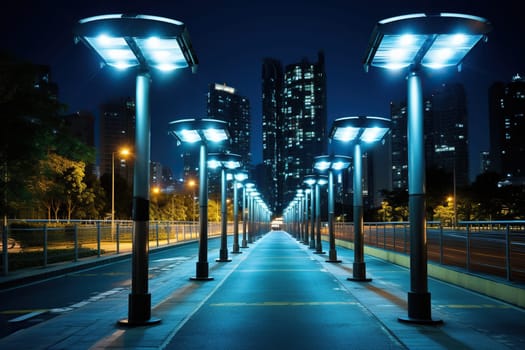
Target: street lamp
[202, 131]
[246, 189]
[252, 215]
[238, 178]
[418, 41]
[123, 152]
[225, 161]
[332, 164]
[317, 181]
[310, 180]
[299, 195]
[360, 130]
[143, 42]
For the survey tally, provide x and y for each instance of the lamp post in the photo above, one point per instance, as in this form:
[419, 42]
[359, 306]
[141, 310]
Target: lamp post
[307, 216]
[252, 196]
[299, 195]
[144, 42]
[123, 152]
[316, 181]
[360, 130]
[310, 180]
[202, 131]
[246, 189]
[418, 41]
[332, 164]
[225, 161]
[238, 178]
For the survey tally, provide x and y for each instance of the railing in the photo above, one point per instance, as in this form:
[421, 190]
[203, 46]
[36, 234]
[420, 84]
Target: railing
[489, 247]
[35, 243]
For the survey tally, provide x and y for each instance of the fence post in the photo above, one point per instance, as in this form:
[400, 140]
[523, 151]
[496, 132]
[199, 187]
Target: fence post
[384, 236]
[507, 253]
[168, 231]
[405, 242]
[394, 236]
[441, 242]
[98, 239]
[5, 253]
[468, 247]
[45, 245]
[76, 242]
[157, 232]
[118, 237]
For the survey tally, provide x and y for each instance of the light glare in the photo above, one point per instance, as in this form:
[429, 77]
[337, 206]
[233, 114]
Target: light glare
[189, 136]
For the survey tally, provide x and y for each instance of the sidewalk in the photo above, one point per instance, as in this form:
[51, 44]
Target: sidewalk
[471, 321]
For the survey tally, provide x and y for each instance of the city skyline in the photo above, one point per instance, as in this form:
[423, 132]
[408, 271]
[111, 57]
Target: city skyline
[232, 41]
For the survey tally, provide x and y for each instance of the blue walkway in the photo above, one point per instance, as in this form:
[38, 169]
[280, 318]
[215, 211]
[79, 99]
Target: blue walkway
[278, 294]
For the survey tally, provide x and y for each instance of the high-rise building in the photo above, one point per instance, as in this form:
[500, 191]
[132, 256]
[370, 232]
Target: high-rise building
[294, 125]
[224, 103]
[484, 162]
[161, 177]
[272, 133]
[507, 127]
[398, 139]
[445, 129]
[117, 131]
[304, 121]
[447, 132]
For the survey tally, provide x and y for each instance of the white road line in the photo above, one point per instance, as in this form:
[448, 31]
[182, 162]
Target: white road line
[27, 316]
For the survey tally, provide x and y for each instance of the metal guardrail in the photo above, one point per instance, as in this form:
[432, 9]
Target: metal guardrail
[38, 243]
[494, 248]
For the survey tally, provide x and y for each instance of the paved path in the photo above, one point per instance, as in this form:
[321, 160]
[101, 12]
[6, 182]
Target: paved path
[278, 294]
[282, 297]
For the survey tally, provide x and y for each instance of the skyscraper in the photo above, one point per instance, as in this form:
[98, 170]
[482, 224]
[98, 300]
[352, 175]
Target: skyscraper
[304, 114]
[117, 131]
[507, 127]
[446, 131]
[398, 137]
[294, 124]
[272, 133]
[224, 103]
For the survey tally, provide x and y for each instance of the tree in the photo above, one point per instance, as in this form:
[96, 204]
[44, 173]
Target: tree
[445, 214]
[398, 201]
[60, 185]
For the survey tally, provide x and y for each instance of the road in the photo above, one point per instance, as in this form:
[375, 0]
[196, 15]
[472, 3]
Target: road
[27, 305]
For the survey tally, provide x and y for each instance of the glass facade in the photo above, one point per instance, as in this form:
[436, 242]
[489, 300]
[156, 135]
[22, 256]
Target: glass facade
[294, 124]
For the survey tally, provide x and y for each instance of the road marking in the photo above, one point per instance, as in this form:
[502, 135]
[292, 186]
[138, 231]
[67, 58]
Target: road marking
[474, 306]
[287, 303]
[27, 316]
[278, 270]
[177, 258]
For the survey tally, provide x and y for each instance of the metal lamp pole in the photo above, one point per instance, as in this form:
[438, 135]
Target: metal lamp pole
[132, 46]
[436, 41]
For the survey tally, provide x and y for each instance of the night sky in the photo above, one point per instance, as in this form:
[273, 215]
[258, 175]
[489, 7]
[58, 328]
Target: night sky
[231, 38]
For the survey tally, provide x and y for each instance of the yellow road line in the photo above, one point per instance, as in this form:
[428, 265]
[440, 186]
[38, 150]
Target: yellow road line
[287, 303]
[475, 306]
[279, 270]
[24, 311]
